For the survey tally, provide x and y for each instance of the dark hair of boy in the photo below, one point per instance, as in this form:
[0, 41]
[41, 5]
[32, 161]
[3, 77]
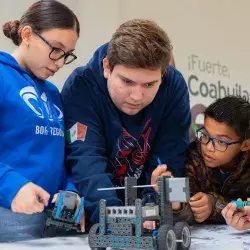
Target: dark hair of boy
[234, 111]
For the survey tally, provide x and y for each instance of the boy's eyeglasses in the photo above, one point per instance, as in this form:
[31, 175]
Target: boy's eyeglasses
[218, 144]
[57, 53]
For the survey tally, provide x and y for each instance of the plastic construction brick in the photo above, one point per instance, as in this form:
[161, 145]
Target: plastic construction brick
[123, 220]
[150, 210]
[102, 215]
[65, 214]
[130, 191]
[125, 212]
[120, 242]
[69, 199]
[178, 189]
[241, 204]
[164, 205]
[122, 227]
[138, 214]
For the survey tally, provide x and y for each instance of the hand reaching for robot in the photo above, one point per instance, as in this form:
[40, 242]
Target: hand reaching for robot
[30, 199]
[78, 200]
[202, 206]
[162, 170]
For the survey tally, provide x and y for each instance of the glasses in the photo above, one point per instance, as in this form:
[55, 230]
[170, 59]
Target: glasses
[218, 144]
[57, 53]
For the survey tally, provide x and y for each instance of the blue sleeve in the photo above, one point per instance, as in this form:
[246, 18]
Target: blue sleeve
[172, 138]
[70, 186]
[10, 180]
[10, 183]
[87, 158]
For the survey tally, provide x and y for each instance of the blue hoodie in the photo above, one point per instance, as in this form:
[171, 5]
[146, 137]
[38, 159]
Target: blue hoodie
[113, 145]
[31, 133]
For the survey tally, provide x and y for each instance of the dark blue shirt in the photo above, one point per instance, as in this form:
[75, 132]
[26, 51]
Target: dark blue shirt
[117, 145]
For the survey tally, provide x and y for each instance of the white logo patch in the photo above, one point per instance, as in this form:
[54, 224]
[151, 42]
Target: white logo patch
[30, 97]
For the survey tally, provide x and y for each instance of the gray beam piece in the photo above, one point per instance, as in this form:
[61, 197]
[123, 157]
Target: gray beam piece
[138, 218]
[178, 189]
[130, 191]
[120, 212]
[102, 216]
[165, 206]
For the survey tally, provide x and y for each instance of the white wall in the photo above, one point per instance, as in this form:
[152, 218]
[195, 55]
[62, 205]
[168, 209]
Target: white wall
[217, 32]
[214, 30]
[98, 21]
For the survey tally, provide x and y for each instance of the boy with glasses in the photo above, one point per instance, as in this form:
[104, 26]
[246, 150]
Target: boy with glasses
[218, 163]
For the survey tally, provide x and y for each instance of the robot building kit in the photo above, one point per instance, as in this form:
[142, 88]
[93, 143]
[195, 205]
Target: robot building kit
[122, 227]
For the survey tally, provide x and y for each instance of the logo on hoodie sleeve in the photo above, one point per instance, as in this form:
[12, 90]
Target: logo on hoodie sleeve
[76, 133]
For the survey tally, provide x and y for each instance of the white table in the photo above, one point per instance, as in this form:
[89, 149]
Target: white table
[207, 237]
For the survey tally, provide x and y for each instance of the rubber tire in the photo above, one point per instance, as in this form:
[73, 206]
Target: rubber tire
[183, 233]
[166, 238]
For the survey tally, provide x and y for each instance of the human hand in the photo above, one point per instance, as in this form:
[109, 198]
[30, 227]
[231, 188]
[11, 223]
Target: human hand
[161, 170]
[237, 218]
[202, 206]
[30, 199]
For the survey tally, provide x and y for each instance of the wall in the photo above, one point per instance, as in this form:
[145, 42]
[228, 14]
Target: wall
[211, 44]
[210, 39]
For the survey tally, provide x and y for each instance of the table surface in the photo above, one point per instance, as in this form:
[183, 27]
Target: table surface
[219, 237]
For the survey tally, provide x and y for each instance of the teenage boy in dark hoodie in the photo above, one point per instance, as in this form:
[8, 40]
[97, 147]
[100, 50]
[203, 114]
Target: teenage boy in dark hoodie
[123, 110]
[218, 164]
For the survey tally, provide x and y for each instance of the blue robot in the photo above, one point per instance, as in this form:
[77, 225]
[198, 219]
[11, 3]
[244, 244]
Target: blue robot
[66, 214]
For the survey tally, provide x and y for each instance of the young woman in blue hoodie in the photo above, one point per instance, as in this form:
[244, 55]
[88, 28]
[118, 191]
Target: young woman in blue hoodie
[32, 127]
